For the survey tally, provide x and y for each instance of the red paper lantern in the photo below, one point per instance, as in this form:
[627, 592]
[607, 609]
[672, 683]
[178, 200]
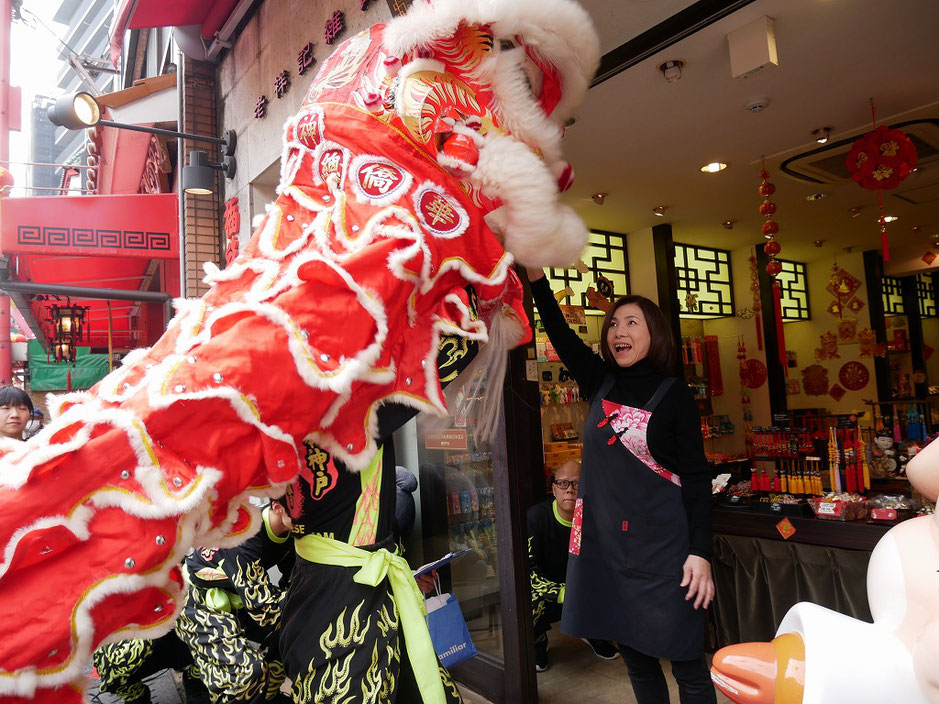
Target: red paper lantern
[770, 228]
[881, 159]
[767, 189]
[772, 248]
[773, 268]
[6, 180]
[767, 207]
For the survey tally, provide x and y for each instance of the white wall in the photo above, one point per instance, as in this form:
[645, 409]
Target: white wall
[268, 45]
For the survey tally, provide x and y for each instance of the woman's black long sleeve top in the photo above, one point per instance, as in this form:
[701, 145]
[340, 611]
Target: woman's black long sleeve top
[674, 432]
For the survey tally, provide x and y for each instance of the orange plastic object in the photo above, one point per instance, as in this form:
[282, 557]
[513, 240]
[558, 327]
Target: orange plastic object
[762, 673]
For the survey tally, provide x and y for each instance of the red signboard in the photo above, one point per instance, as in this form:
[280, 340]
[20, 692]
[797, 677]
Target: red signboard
[453, 439]
[138, 225]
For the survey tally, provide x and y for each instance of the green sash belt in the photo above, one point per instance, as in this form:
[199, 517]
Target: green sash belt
[374, 567]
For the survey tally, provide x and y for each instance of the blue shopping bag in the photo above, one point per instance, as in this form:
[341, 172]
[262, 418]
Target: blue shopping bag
[448, 630]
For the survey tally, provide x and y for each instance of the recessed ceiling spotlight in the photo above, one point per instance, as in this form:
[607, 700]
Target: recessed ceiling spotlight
[822, 134]
[598, 198]
[890, 218]
[713, 167]
[672, 70]
[728, 224]
[816, 196]
[659, 210]
[819, 243]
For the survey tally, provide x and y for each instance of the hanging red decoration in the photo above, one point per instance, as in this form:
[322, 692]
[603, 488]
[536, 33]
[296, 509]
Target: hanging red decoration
[771, 249]
[879, 161]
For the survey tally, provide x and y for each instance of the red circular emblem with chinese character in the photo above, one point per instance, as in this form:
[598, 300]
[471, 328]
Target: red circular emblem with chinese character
[308, 131]
[753, 373]
[330, 163]
[854, 376]
[440, 215]
[379, 179]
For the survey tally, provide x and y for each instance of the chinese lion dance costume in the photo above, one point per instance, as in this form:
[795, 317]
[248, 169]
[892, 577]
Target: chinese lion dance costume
[425, 160]
[821, 656]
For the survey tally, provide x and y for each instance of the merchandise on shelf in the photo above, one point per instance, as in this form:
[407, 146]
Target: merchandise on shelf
[559, 393]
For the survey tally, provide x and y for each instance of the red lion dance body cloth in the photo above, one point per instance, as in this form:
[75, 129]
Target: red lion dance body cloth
[424, 158]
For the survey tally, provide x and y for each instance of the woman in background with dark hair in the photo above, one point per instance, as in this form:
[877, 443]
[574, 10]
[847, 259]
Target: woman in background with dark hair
[15, 409]
[639, 571]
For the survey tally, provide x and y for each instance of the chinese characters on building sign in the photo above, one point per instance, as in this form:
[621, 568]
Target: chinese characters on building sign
[335, 26]
[260, 107]
[305, 58]
[282, 84]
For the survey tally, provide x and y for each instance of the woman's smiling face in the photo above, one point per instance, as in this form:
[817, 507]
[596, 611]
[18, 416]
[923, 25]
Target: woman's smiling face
[628, 336]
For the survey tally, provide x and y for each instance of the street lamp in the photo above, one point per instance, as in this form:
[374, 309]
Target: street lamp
[199, 176]
[81, 110]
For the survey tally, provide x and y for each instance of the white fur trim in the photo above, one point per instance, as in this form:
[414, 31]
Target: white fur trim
[537, 230]
[560, 31]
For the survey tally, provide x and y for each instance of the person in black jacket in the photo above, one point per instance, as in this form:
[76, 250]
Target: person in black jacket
[549, 534]
[639, 571]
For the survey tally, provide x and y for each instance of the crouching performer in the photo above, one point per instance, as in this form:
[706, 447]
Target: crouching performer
[232, 604]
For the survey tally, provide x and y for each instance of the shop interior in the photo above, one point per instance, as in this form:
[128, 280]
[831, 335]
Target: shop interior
[816, 429]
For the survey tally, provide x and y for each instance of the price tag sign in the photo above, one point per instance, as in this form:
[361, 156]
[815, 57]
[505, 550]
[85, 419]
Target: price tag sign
[884, 514]
[830, 508]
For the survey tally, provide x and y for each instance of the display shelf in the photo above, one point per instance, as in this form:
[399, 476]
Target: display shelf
[812, 531]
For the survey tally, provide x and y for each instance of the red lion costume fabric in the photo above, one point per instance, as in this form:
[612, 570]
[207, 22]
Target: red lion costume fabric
[424, 158]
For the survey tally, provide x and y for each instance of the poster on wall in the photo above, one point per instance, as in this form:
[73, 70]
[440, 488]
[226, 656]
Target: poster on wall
[815, 380]
[574, 316]
[854, 376]
[847, 331]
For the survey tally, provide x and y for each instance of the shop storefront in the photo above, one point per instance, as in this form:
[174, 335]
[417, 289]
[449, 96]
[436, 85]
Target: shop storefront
[792, 419]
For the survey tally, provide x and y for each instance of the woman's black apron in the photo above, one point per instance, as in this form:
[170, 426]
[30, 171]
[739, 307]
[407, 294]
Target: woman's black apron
[629, 539]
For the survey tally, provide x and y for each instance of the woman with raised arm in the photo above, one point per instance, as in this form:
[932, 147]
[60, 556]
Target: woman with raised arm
[639, 571]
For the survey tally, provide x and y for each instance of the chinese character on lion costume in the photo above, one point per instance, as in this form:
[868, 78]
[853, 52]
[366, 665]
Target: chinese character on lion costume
[820, 656]
[425, 160]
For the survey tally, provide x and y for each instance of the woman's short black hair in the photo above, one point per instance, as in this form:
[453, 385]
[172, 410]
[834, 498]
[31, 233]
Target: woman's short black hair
[15, 396]
[663, 348]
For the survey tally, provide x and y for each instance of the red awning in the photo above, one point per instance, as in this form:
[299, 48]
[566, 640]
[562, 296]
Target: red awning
[128, 329]
[123, 153]
[126, 243]
[210, 15]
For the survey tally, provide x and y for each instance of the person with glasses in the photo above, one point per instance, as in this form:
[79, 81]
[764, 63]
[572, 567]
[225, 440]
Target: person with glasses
[639, 571]
[549, 534]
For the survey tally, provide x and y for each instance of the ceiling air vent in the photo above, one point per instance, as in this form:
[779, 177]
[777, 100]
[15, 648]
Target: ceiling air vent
[827, 164]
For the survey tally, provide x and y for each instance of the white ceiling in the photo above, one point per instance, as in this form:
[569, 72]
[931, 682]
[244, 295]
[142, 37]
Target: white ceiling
[643, 140]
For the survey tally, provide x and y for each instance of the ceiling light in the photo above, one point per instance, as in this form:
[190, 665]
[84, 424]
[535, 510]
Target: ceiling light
[659, 210]
[822, 134]
[889, 218]
[728, 224]
[598, 198]
[713, 167]
[816, 196]
[671, 70]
